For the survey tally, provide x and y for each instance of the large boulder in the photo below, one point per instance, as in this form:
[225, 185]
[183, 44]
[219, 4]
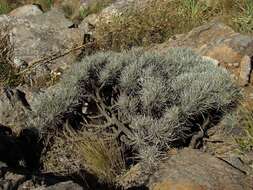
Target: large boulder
[54, 18]
[190, 169]
[37, 37]
[115, 9]
[34, 38]
[232, 50]
[26, 10]
[119, 6]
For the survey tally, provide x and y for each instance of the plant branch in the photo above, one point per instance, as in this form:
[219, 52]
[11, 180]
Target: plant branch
[53, 56]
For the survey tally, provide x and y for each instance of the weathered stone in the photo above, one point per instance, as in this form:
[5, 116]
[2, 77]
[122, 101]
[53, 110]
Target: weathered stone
[86, 26]
[179, 185]
[245, 70]
[65, 186]
[13, 108]
[91, 19]
[135, 177]
[224, 54]
[193, 170]
[11, 181]
[217, 41]
[26, 10]
[3, 166]
[27, 185]
[54, 18]
[71, 8]
[115, 9]
[37, 37]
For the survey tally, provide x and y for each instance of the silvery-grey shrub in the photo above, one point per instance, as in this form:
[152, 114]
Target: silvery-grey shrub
[154, 101]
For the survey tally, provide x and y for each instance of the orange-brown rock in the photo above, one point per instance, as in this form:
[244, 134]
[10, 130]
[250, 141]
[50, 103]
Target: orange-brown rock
[179, 185]
[191, 169]
[220, 42]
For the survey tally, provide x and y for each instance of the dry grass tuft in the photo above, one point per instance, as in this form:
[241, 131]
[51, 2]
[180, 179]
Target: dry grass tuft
[154, 23]
[8, 74]
[94, 7]
[242, 121]
[45, 4]
[243, 19]
[6, 53]
[161, 19]
[4, 7]
[245, 142]
[101, 157]
[7, 5]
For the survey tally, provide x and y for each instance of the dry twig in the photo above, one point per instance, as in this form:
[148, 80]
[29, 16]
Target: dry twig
[53, 56]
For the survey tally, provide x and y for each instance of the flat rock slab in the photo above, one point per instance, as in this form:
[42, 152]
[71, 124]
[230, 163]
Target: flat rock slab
[35, 37]
[191, 169]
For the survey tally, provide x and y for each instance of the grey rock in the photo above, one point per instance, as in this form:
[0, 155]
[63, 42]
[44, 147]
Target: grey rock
[26, 10]
[2, 165]
[11, 181]
[116, 9]
[68, 185]
[86, 26]
[29, 184]
[237, 162]
[13, 107]
[54, 18]
[245, 70]
[40, 36]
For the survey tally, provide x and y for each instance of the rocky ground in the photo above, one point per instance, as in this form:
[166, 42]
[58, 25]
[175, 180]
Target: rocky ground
[46, 43]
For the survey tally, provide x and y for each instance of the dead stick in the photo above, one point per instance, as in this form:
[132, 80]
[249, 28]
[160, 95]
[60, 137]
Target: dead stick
[232, 165]
[52, 57]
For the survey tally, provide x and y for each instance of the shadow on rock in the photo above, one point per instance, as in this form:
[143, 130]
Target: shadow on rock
[20, 151]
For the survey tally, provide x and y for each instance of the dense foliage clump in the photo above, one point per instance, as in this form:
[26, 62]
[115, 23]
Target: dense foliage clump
[144, 101]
